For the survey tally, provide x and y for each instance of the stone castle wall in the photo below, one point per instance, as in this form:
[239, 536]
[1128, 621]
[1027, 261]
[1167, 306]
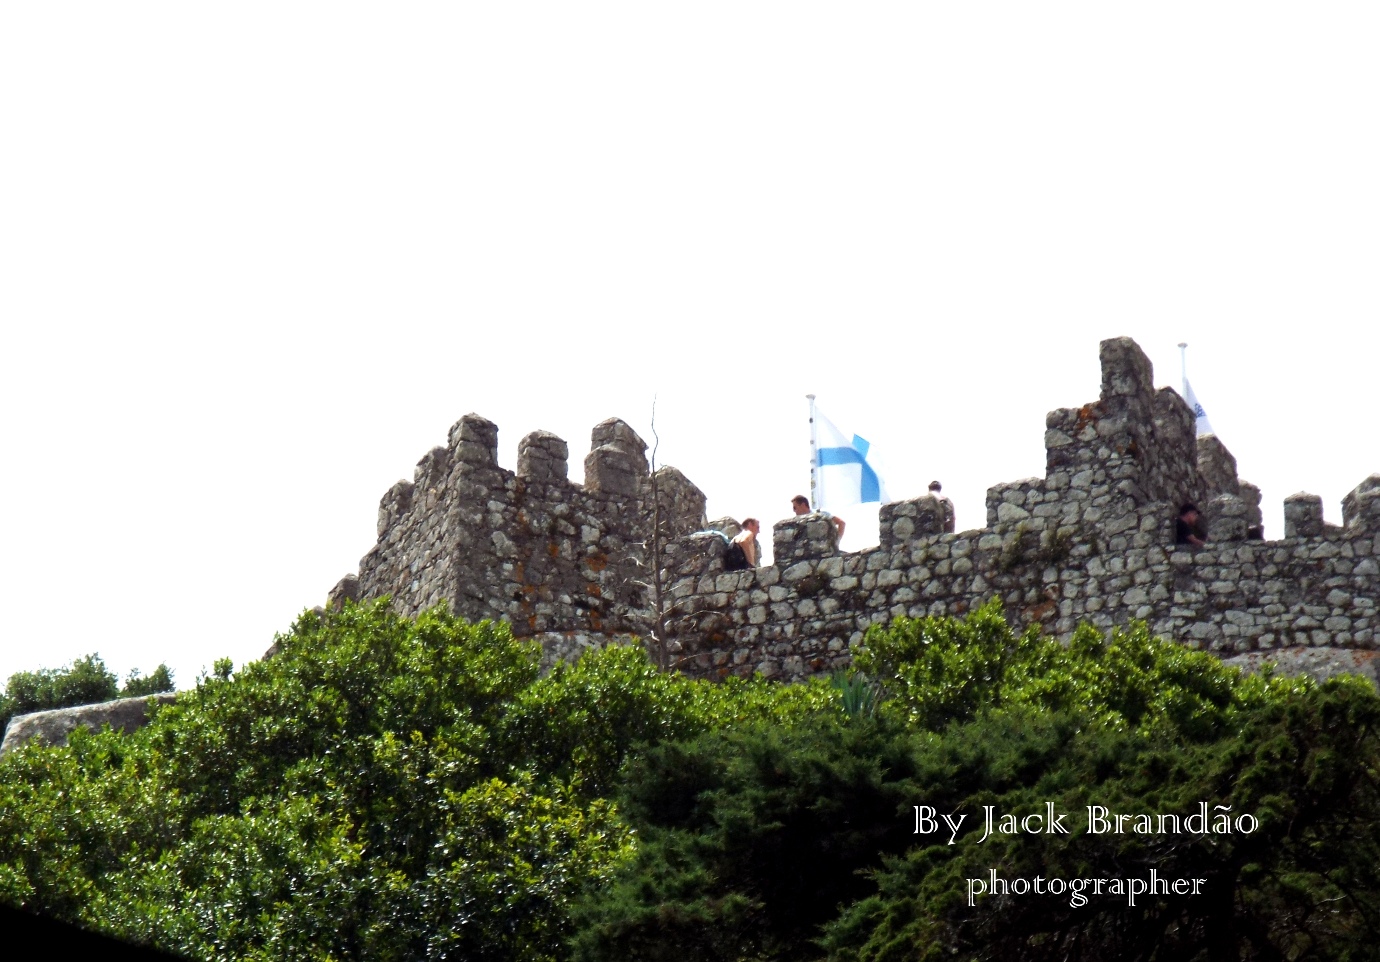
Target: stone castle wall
[1092, 540]
[551, 557]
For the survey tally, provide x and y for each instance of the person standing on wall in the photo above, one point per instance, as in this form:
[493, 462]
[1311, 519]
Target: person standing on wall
[744, 544]
[801, 505]
[937, 491]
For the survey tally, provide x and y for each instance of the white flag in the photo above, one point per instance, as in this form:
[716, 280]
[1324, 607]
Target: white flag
[1202, 420]
[842, 473]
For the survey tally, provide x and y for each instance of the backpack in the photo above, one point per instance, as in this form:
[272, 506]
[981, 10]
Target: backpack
[735, 558]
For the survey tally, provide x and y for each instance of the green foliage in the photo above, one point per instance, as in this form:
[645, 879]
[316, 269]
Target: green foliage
[382, 788]
[858, 694]
[392, 789]
[158, 680]
[799, 842]
[940, 670]
[749, 839]
[1304, 885]
[85, 681]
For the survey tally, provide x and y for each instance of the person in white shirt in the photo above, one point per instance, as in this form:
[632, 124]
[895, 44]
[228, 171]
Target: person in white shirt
[801, 505]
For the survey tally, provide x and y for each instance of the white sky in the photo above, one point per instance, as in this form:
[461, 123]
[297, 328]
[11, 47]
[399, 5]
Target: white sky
[256, 259]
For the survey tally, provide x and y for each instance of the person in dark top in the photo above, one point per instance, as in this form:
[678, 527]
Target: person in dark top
[937, 490]
[1186, 527]
[747, 542]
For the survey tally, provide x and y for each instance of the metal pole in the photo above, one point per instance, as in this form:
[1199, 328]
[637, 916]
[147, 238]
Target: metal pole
[814, 500]
[1183, 364]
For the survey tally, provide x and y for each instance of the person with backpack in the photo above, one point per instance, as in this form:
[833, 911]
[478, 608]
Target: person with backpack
[742, 550]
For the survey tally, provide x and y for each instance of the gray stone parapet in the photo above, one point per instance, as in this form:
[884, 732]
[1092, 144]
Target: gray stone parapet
[1216, 467]
[54, 726]
[1303, 515]
[811, 535]
[1227, 518]
[544, 457]
[474, 440]
[1093, 540]
[681, 503]
[530, 547]
[902, 521]
[617, 462]
[346, 589]
[1361, 507]
[394, 504]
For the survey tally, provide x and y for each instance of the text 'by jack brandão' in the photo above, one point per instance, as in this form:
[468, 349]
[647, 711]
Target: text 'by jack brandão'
[1204, 821]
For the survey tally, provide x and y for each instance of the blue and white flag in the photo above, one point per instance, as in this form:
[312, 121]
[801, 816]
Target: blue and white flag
[1203, 427]
[842, 474]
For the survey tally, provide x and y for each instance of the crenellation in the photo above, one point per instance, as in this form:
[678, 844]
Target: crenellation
[543, 457]
[1303, 515]
[901, 522]
[347, 588]
[393, 506]
[433, 469]
[1361, 507]
[617, 462]
[475, 441]
[804, 536]
[1092, 541]
[681, 503]
[1216, 468]
[1226, 517]
[1255, 521]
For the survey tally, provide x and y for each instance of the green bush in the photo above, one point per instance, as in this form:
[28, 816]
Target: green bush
[798, 841]
[390, 788]
[382, 788]
[84, 682]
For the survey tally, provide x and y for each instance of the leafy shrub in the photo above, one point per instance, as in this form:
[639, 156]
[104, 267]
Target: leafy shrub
[393, 788]
[158, 680]
[86, 681]
[382, 788]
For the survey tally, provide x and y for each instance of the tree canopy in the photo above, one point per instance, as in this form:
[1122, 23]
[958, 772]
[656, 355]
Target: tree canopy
[84, 682]
[390, 788]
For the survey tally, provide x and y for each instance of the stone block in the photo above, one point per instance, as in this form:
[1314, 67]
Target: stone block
[542, 456]
[395, 503]
[725, 524]
[346, 588]
[1216, 468]
[1126, 371]
[617, 433]
[803, 536]
[474, 440]
[1361, 508]
[432, 469]
[681, 502]
[617, 462]
[1225, 518]
[903, 521]
[1303, 515]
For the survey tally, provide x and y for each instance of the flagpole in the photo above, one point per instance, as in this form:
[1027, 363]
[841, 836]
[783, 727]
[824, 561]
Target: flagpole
[1183, 364]
[814, 501]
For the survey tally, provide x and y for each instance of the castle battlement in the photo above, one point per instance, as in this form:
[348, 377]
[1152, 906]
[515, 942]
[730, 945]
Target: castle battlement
[1093, 541]
[530, 547]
